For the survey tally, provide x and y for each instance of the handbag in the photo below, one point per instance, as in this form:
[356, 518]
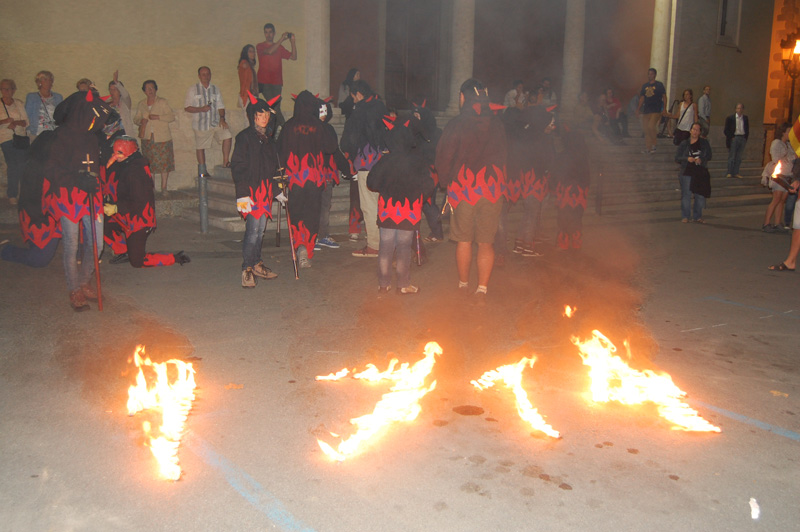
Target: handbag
[20, 142]
[680, 135]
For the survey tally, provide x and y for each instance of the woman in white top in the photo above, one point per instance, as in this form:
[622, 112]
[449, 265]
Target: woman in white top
[781, 152]
[686, 116]
[13, 122]
[121, 101]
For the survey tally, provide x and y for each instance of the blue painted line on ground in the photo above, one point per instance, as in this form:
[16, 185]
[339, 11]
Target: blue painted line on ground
[247, 486]
[750, 421]
[791, 315]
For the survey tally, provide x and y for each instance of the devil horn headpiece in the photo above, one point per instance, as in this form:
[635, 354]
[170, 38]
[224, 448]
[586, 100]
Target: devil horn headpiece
[253, 99]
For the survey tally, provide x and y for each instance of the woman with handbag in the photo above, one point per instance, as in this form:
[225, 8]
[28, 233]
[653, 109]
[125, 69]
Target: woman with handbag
[13, 137]
[153, 116]
[693, 155]
[686, 116]
[781, 152]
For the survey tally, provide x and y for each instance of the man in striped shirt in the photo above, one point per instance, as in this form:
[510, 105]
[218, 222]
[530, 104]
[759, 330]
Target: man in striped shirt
[204, 102]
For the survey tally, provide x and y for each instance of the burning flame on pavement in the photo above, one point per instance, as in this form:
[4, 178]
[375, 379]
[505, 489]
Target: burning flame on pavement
[401, 403]
[613, 380]
[569, 311]
[174, 400]
[511, 375]
[334, 376]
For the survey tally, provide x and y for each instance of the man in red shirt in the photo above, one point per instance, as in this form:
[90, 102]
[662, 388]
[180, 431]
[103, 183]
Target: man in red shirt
[270, 65]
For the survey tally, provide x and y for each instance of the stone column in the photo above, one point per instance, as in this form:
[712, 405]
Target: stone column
[659, 47]
[463, 41]
[572, 79]
[317, 41]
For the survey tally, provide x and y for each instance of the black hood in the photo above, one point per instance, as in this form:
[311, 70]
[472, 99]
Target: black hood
[425, 126]
[306, 107]
[83, 111]
[399, 139]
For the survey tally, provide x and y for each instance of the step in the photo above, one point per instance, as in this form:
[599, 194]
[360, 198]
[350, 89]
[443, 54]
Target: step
[714, 202]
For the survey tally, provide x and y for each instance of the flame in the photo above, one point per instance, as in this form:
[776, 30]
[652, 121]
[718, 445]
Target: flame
[511, 374]
[613, 380]
[796, 47]
[334, 376]
[401, 403]
[569, 311]
[777, 170]
[174, 400]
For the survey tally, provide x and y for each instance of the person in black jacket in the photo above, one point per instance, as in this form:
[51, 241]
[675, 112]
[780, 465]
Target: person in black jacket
[737, 130]
[253, 166]
[332, 166]
[693, 155]
[426, 137]
[571, 174]
[131, 215]
[401, 178]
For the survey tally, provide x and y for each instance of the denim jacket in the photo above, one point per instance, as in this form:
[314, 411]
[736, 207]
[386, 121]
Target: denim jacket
[33, 103]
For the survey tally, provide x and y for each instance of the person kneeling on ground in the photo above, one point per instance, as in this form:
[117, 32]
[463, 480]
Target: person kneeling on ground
[132, 218]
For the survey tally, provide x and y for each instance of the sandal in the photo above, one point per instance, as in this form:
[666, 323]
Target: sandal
[782, 267]
[227, 165]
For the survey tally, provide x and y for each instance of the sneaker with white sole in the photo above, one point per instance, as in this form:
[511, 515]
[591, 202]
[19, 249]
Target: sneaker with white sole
[248, 279]
[353, 237]
[328, 242]
[304, 262]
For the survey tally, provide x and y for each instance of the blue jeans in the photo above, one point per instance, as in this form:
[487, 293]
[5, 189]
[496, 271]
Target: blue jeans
[735, 154]
[325, 212]
[392, 240]
[788, 212]
[531, 217]
[31, 256]
[251, 245]
[686, 200]
[15, 162]
[79, 274]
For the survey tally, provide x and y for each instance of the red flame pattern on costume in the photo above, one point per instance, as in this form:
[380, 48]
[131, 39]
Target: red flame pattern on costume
[488, 183]
[158, 259]
[262, 201]
[302, 171]
[528, 184]
[116, 242]
[571, 196]
[39, 234]
[109, 183]
[70, 203]
[303, 237]
[400, 212]
[366, 158]
[131, 223]
[354, 221]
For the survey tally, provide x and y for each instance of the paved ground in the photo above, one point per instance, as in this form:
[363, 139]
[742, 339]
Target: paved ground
[695, 301]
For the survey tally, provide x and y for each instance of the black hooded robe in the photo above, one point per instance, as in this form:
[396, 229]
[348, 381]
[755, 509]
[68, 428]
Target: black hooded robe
[304, 145]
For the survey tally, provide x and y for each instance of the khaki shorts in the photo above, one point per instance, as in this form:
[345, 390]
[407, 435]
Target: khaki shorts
[204, 140]
[475, 223]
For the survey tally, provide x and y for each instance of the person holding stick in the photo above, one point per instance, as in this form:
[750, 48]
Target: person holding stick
[253, 166]
[71, 192]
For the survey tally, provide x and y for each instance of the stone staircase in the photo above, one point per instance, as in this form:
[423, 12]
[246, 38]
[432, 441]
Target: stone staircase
[624, 181]
[627, 181]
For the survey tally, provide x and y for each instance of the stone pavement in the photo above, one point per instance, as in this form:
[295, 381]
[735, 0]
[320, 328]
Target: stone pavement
[695, 301]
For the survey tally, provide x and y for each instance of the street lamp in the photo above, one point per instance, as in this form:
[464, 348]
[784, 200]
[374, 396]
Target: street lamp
[790, 50]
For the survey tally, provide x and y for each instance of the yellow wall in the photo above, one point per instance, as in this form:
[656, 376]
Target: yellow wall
[163, 40]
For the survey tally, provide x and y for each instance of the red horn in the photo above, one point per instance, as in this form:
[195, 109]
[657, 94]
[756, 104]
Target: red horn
[328, 99]
[424, 102]
[407, 123]
[551, 108]
[89, 96]
[389, 124]
[496, 107]
[389, 117]
[294, 96]
[273, 101]
[106, 98]
[316, 96]
[477, 107]
[253, 99]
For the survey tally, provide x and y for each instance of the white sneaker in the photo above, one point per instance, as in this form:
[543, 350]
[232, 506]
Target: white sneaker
[304, 262]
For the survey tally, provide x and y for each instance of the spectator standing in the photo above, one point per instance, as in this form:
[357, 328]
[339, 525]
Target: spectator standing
[737, 130]
[247, 75]
[121, 102]
[204, 102]
[686, 117]
[652, 104]
[153, 116]
[14, 122]
[704, 110]
[41, 105]
[471, 160]
[617, 119]
[780, 151]
[693, 155]
[789, 264]
[270, 65]
[345, 100]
